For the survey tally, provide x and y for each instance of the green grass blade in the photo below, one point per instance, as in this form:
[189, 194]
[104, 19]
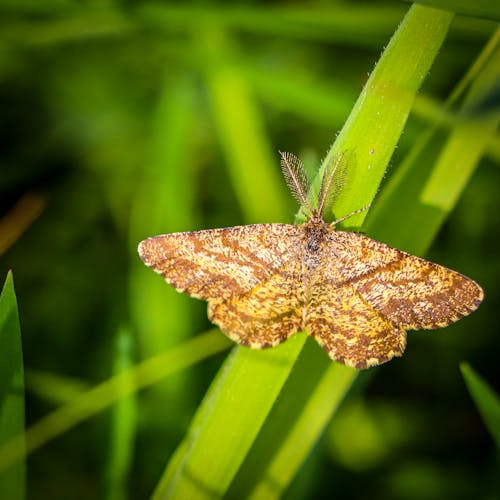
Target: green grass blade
[486, 400]
[380, 113]
[250, 160]
[276, 476]
[123, 423]
[97, 399]
[479, 8]
[165, 202]
[228, 421]
[315, 413]
[239, 400]
[467, 143]
[12, 479]
[54, 388]
[427, 184]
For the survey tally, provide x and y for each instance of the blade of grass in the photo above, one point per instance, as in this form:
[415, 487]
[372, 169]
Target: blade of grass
[227, 421]
[293, 425]
[77, 25]
[285, 463]
[12, 479]
[312, 100]
[466, 144]
[123, 424]
[415, 190]
[249, 157]
[164, 203]
[379, 115]
[479, 8]
[305, 430]
[486, 400]
[232, 413]
[325, 398]
[107, 393]
[54, 388]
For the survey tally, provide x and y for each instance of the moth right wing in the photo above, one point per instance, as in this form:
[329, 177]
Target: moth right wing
[411, 292]
[348, 328]
[217, 264]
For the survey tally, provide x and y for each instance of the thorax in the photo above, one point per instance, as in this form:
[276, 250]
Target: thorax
[315, 241]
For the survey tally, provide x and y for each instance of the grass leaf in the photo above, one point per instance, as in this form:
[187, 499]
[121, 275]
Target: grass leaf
[102, 396]
[479, 8]
[427, 184]
[486, 400]
[123, 423]
[12, 479]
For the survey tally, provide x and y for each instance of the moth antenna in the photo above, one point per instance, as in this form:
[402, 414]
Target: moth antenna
[327, 192]
[348, 216]
[296, 179]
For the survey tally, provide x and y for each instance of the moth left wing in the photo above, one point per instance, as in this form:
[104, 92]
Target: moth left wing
[221, 263]
[411, 292]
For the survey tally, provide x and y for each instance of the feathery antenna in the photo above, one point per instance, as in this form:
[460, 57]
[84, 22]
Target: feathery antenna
[296, 179]
[329, 189]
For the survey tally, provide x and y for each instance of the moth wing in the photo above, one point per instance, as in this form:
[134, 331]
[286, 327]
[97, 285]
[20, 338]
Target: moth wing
[221, 263]
[410, 292]
[266, 315]
[349, 329]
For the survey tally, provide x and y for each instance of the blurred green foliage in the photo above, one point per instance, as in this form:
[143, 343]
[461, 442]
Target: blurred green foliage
[118, 123]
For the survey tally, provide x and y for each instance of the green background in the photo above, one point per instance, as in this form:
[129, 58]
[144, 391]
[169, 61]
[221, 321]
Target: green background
[122, 120]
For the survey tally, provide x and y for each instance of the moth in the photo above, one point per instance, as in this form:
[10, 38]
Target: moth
[355, 296]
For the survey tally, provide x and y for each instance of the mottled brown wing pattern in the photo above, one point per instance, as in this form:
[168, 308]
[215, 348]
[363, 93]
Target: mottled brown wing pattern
[221, 263]
[348, 327]
[410, 292]
[266, 315]
[250, 276]
[355, 296]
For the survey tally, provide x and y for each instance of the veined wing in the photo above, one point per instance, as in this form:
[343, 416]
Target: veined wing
[266, 315]
[350, 329]
[409, 291]
[222, 263]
